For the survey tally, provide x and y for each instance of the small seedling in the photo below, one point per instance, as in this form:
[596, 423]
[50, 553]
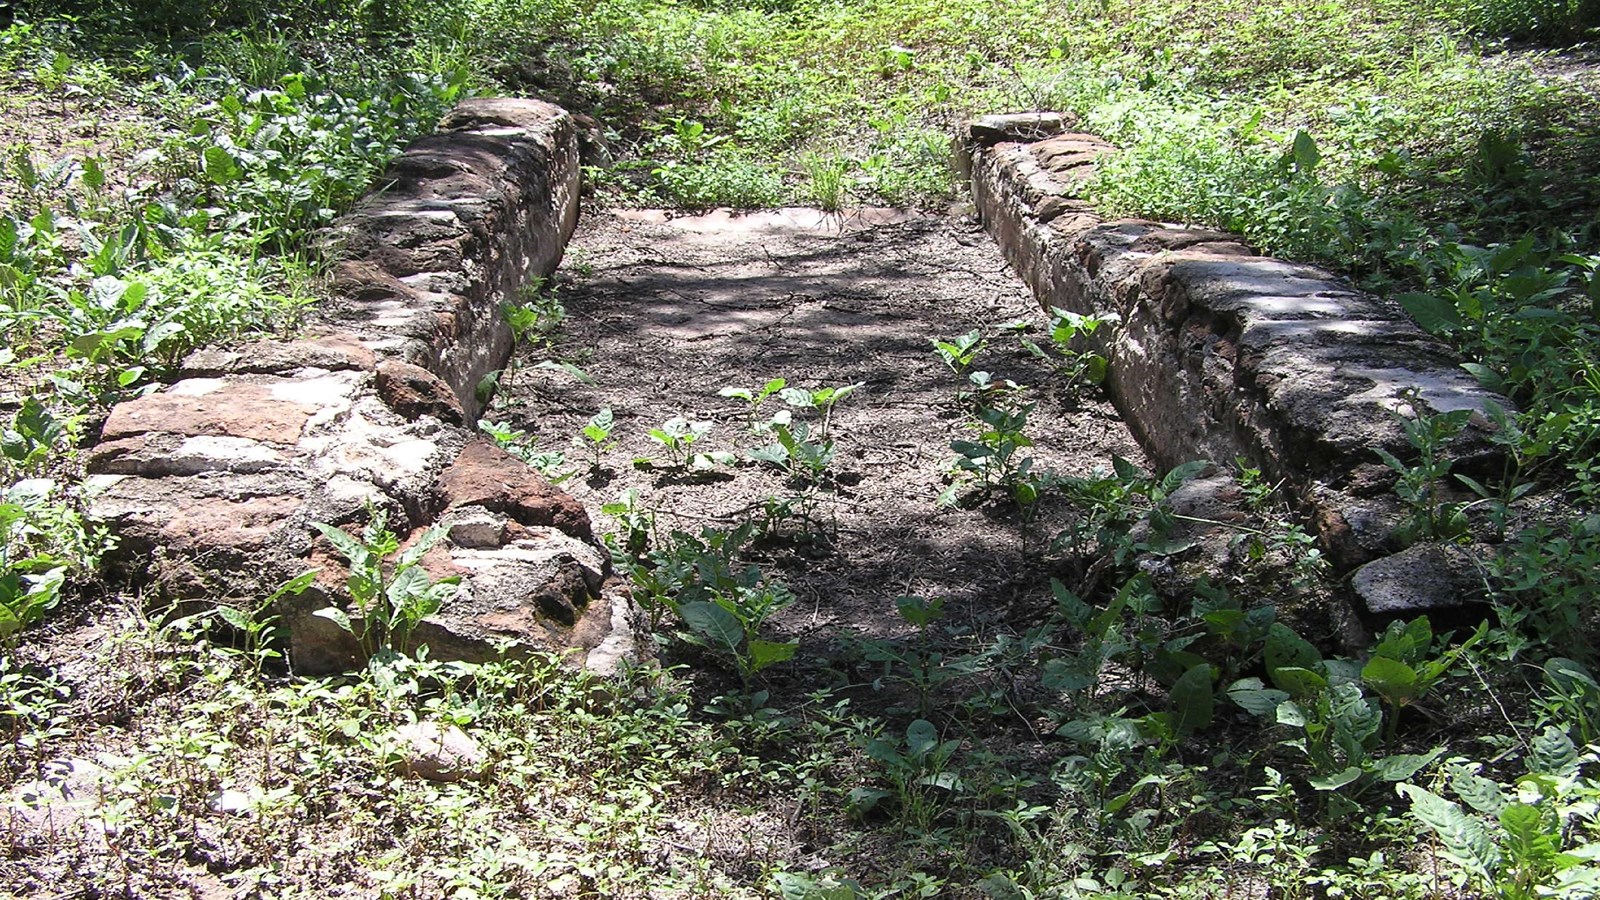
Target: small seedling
[821, 400]
[536, 315]
[794, 452]
[25, 598]
[1420, 485]
[917, 663]
[919, 772]
[1401, 670]
[520, 444]
[728, 624]
[986, 389]
[390, 592]
[638, 522]
[598, 433]
[756, 396]
[799, 509]
[1075, 366]
[678, 436]
[959, 352]
[993, 456]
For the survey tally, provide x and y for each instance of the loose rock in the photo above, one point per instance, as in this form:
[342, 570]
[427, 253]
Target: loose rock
[1426, 579]
[442, 753]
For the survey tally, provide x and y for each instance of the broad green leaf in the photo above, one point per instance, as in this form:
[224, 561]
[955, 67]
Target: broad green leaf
[1335, 781]
[338, 617]
[422, 545]
[94, 173]
[1120, 802]
[10, 621]
[294, 586]
[720, 628]
[919, 611]
[1406, 641]
[349, 547]
[8, 238]
[1553, 752]
[1193, 702]
[431, 599]
[799, 398]
[1301, 684]
[1181, 474]
[921, 738]
[1355, 719]
[1284, 648]
[235, 618]
[863, 800]
[95, 345]
[1062, 675]
[219, 165]
[1124, 469]
[1487, 377]
[774, 455]
[1255, 698]
[770, 653]
[949, 781]
[408, 583]
[156, 336]
[1075, 611]
[1393, 680]
[1400, 766]
[1569, 676]
[1289, 713]
[1465, 839]
[487, 385]
[1306, 154]
[599, 427]
[1532, 836]
[1482, 794]
[1087, 732]
[1437, 315]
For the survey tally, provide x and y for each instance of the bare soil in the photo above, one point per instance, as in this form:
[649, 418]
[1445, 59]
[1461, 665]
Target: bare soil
[664, 312]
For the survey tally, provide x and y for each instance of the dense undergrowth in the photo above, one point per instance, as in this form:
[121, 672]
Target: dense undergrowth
[168, 165]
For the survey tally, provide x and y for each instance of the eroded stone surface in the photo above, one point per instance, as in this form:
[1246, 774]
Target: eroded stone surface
[486, 476]
[331, 352]
[1222, 353]
[413, 392]
[1423, 579]
[211, 406]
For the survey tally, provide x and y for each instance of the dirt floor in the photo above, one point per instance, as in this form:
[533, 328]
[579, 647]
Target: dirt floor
[665, 312]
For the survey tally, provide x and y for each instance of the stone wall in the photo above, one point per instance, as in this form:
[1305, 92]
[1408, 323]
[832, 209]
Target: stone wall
[1221, 353]
[212, 483]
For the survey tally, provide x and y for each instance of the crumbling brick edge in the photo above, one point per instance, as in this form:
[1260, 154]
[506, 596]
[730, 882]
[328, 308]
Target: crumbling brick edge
[1221, 353]
[212, 483]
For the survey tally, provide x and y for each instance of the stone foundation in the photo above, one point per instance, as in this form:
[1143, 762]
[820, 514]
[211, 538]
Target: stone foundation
[212, 483]
[1221, 353]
